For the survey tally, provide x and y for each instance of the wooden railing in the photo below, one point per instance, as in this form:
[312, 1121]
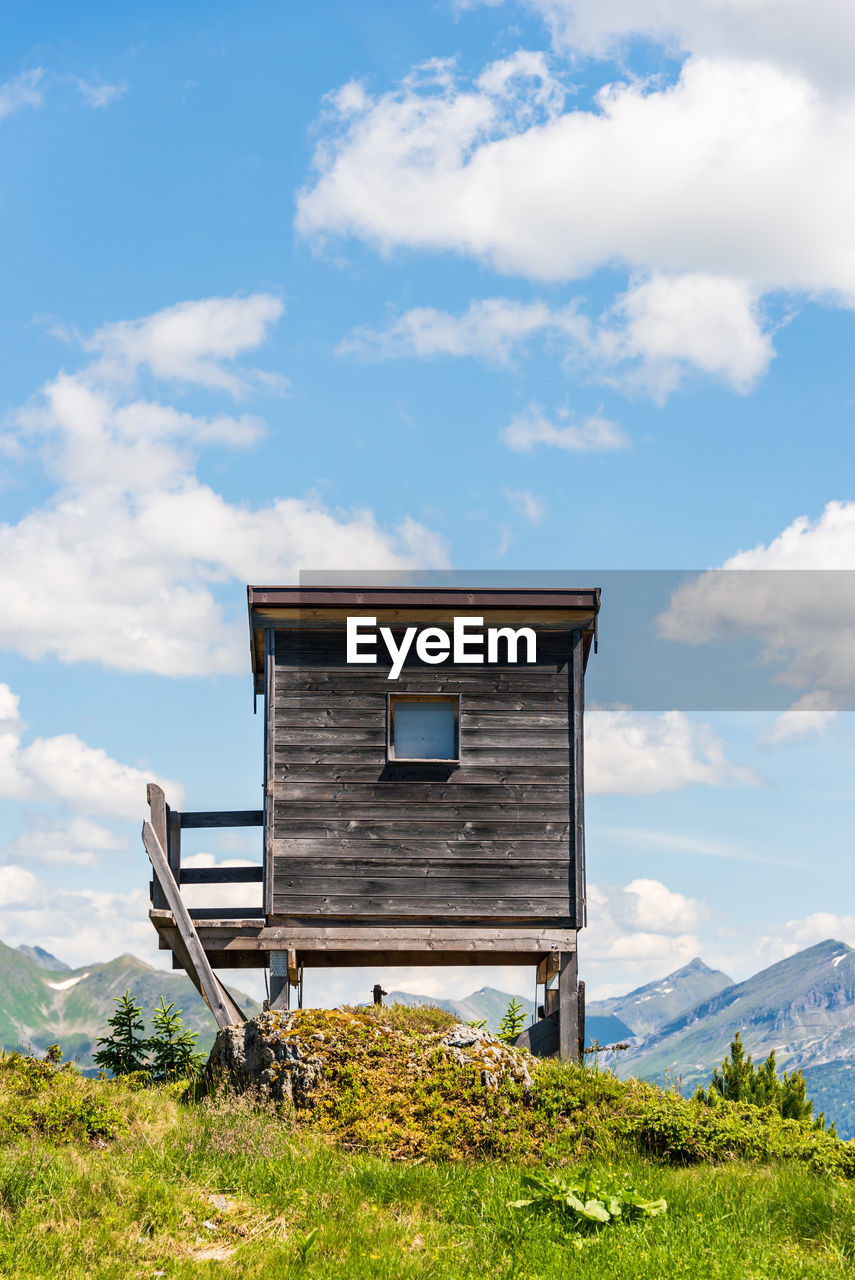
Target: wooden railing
[168, 823]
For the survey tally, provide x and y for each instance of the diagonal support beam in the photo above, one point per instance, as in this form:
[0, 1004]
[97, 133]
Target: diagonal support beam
[191, 953]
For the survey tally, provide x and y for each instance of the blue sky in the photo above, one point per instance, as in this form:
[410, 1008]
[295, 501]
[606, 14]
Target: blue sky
[493, 287]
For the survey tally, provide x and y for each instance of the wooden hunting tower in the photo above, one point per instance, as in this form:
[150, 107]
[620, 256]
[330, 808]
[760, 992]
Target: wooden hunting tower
[423, 793]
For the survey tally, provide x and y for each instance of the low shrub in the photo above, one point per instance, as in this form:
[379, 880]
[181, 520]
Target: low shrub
[42, 1097]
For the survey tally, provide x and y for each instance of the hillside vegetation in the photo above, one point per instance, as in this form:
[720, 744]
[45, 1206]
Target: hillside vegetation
[403, 1163]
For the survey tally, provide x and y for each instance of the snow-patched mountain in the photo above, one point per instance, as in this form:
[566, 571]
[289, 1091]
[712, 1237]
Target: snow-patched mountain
[648, 1008]
[803, 1007]
[42, 1005]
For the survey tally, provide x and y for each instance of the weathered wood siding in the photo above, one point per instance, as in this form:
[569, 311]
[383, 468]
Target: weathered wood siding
[349, 835]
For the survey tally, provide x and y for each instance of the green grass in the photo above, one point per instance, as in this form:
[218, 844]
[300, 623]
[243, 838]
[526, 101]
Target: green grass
[231, 1186]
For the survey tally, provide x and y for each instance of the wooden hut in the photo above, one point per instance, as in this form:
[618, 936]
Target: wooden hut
[423, 794]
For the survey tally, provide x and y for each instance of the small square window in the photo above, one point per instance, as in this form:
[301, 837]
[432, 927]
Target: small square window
[423, 728]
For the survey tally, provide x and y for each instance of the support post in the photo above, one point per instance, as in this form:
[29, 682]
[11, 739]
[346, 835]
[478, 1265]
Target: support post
[284, 974]
[280, 993]
[568, 1007]
[160, 825]
[577, 798]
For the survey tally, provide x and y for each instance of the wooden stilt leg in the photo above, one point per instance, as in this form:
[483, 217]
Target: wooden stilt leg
[280, 992]
[568, 1007]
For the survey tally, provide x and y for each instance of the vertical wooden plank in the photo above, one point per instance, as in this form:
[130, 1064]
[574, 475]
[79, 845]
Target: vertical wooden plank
[157, 806]
[173, 842]
[269, 754]
[568, 1007]
[280, 993]
[577, 775]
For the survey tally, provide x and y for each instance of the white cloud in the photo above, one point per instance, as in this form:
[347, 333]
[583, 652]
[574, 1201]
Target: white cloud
[669, 323]
[188, 342]
[638, 753]
[641, 926]
[80, 928]
[808, 716]
[99, 95]
[743, 955]
[489, 329]
[530, 507]
[65, 769]
[131, 547]
[647, 340]
[784, 595]
[23, 91]
[817, 40]
[595, 435]
[221, 895]
[713, 192]
[78, 842]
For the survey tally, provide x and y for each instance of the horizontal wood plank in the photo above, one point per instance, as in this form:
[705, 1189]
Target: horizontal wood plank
[464, 772]
[222, 875]
[470, 755]
[331, 701]
[502, 850]
[402, 793]
[222, 818]
[440, 829]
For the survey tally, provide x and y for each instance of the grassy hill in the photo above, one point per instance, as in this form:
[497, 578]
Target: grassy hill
[100, 1180]
[40, 1005]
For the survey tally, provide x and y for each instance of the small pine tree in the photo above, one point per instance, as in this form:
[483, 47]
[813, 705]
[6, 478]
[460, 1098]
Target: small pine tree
[172, 1047]
[513, 1022]
[123, 1050]
[740, 1081]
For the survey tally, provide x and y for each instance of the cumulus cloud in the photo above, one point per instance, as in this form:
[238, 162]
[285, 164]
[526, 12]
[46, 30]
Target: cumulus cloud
[23, 91]
[737, 170]
[640, 927]
[808, 716]
[817, 40]
[80, 927]
[78, 842]
[65, 769]
[594, 435]
[647, 340]
[188, 342]
[794, 595]
[638, 753]
[132, 546]
[742, 956]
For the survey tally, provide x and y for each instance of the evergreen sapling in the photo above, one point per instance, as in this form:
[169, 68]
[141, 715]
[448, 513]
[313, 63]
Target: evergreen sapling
[123, 1051]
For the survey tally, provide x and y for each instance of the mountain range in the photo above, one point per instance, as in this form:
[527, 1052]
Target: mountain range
[803, 1007]
[43, 1001]
[679, 1027]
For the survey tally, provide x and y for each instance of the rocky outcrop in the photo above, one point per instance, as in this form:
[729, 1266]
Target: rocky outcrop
[283, 1056]
[495, 1060]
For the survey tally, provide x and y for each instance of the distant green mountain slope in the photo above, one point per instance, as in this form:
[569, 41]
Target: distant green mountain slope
[40, 1006]
[490, 1005]
[43, 958]
[650, 1007]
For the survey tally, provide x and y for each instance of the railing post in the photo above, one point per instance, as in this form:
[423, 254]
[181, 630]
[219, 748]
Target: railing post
[160, 825]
